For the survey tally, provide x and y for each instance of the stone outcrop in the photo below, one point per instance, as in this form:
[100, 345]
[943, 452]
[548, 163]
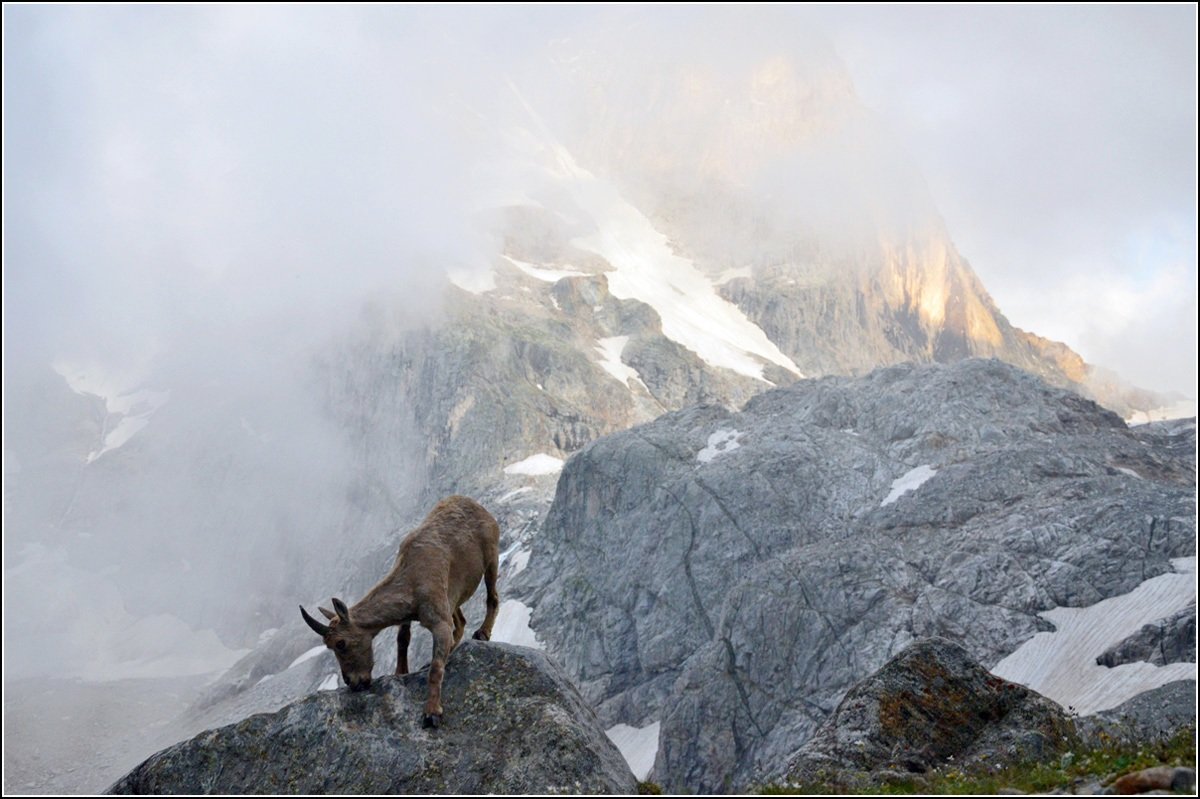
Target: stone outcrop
[1169, 640]
[929, 706]
[513, 724]
[1146, 718]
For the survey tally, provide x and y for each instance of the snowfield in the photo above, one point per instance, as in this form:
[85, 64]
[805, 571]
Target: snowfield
[646, 268]
[1062, 664]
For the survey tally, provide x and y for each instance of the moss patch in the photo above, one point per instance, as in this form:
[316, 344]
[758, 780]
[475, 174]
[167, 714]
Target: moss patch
[1102, 763]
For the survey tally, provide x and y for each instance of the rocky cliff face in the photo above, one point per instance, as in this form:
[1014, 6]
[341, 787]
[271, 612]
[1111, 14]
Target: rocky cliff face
[730, 575]
[513, 724]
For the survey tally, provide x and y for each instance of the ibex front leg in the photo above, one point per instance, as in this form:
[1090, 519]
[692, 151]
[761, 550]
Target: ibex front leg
[443, 643]
[402, 639]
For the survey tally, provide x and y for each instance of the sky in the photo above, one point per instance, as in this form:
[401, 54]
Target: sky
[190, 163]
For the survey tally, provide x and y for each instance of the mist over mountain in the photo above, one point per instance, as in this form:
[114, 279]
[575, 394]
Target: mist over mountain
[307, 279]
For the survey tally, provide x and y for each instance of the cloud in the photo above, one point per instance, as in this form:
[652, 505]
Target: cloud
[178, 162]
[1054, 140]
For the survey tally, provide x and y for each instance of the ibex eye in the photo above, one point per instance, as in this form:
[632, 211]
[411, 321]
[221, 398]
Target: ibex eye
[340, 646]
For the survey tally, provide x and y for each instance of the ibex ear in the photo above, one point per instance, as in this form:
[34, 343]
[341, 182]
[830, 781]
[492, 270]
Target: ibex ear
[329, 614]
[343, 612]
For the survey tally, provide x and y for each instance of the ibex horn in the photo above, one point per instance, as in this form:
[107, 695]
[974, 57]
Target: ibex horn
[327, 613]
[320, 629]
[342, 611]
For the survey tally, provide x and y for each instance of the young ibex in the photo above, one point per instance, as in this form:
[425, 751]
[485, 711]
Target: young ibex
[437, 570]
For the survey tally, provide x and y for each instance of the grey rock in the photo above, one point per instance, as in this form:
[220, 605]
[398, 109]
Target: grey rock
[513, 724]
[929, 706]
[1148, 717]
[737, 599]
[1168, 640]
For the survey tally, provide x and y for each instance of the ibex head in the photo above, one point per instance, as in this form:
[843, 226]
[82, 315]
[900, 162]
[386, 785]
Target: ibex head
[351, 643]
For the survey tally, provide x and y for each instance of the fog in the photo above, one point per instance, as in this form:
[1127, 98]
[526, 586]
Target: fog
[1060, 145]
[199, 202]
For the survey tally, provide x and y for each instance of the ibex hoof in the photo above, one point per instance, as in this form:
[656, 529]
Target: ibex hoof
[433, 720]
[480, 635]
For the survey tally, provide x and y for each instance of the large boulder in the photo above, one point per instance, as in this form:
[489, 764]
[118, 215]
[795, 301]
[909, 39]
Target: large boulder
[513, 724]
[928, 706]
[1168, 640]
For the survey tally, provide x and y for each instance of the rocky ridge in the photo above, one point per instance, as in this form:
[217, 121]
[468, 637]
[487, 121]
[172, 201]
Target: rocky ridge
[513, 724]
[731, 575]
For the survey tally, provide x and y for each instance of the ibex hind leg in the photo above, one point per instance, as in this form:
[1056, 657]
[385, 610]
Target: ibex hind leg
[402, 639]
[484, 633]
[460, 624]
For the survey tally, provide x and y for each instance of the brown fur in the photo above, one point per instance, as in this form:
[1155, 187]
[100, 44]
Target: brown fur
[438, 568]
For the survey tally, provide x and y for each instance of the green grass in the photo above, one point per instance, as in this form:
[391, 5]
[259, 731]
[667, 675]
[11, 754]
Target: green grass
[1110, 759]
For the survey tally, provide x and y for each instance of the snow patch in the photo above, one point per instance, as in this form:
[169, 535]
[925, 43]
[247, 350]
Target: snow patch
[520, 561]
[536, 465]
[541, 273]
[508, 552]
[1062, 664]
[330, 683]
[476, 281]
[514, 493]
[909, 481]
[638, 746]
[512, 625]
[309, 655]
[1129, 472]
[119, 435]
[1181, 409]
[610, 350]
[133, 408]
[720, 443]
